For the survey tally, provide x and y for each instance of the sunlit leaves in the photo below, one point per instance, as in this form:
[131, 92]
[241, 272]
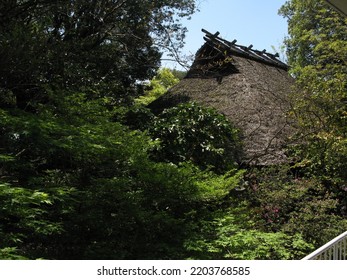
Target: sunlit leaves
[317, 52]
[190, 132]
[231, 234]
[159, 85]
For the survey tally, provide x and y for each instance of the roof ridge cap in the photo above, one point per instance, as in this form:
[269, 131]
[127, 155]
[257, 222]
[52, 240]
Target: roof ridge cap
[248, 52]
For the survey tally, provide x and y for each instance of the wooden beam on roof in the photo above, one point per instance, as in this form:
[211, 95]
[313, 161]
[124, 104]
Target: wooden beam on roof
[221, 45]
[210, 34]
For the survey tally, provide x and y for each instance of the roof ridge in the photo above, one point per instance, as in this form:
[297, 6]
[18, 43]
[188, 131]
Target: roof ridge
[248, 52]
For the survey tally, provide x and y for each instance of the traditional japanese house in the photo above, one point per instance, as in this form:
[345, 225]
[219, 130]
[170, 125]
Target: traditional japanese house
[249, 86]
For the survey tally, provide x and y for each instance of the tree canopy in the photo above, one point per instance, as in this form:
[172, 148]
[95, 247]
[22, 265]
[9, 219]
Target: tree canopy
[317, 52]
[104, 46]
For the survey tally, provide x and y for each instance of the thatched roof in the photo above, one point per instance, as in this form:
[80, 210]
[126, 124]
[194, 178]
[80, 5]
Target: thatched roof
[250, 87]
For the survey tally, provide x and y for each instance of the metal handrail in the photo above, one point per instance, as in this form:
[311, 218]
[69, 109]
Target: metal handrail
[335, 249]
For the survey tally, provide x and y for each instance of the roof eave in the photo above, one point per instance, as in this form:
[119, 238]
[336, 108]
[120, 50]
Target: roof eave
[339, 6]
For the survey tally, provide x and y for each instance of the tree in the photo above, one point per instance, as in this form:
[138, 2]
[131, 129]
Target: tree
[103, 46]
[76, 185]
[317, 52]
[161, 82]
[73, 182]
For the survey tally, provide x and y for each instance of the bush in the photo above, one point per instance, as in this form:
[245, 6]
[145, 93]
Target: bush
[190, 132]
[284, 202]
[231, 234]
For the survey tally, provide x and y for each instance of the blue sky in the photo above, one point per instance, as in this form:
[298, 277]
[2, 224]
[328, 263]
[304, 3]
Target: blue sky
[248, 21]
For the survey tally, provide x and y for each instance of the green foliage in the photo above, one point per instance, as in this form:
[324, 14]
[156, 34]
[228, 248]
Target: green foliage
[107, 46]
[312, 202]
[90, 189]
[10, 253]
[317, 53]
[161, 82]
[213, 187]
[316, 34]
[294, 205]
[231, 234]
[28, 216]
[190, 132]
[148, 216]
[73, 182]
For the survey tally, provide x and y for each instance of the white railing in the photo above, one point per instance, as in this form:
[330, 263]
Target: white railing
[335, 249]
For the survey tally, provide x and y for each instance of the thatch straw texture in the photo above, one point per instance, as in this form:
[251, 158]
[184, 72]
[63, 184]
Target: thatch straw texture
[252, 94]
